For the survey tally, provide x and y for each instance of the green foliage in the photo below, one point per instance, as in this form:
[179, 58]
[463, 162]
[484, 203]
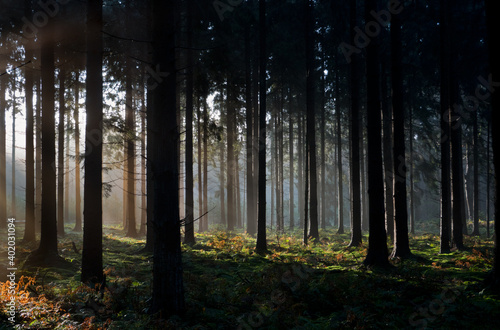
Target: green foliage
[319, 286]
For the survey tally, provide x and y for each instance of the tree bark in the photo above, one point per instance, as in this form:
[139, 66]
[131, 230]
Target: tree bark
[251, 223]
[356, 237]
[130, 151]
[311, 119]
[60, 156]
[377, 246]
[261, 216]
[340, 194]
[92, 189]
[168, 289]
[3, 162]
[78, 200]
[401, 243]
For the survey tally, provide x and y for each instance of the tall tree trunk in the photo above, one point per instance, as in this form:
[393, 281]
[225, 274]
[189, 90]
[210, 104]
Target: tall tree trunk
[200, 174]
[457, 166]
[377, 245]
[92, 186]
[238, 190]
[205, 163]
[222, 184]
[60, 156]
[311, 120]
[261, 216]
[168, 288]
[363, 157]
[231, 114]
[445, 131]
[340, 195]
[29, 231]
[495, 121]
[47, 250]
[78, 200]
[488, 162]
[401, 243]
[251, 223]
[189, 221]
[66, 170]
[412, 195]
[356, 237]
[475, 155]
[144, 214]
[38, 156]
[388, 162]
[306, 197]
[130, 151]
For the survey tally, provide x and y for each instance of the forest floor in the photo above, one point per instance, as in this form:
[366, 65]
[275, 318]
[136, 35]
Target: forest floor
[228, 286]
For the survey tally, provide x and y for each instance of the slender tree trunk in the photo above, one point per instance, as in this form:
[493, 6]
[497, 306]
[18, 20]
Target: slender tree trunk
[130, 152]
[251, 223]
[200, 174]
[363, 168]
[60, 156]
[377, 245]
[340, 194]
[261, 216]
[222, 185]
[306, 198]
[488, 162]
[401, 243]
[231, 114]
[92, 195]
[189, 220]
[311, 122]
[239, 222]
[78, 200]
[205, 163]
[445, 131]
[38, 157]
[168, 288]
[143, 228]
[66, 170]
[356, 237]
[495, 121]
[388, 162]
[29, 231]
[475, 151]
[323, 153]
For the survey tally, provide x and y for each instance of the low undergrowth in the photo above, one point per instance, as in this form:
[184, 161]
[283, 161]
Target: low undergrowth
[319, 286]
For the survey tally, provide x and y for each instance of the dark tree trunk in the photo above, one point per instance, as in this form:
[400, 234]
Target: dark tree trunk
[261, 216]
[222, 184]
[78, 200]
[29, 231]
[130, 152]
[13, 156]
[144, 215]
[251, 223]
[495, 122]
[60, 156]
[475, 155]
[401, 243]
[38, 157]
[412, 195]
[300, 169]
[445, 131]
[339, 157]
[311, 120]
[377, 245]
[200, 174]
[47, 249]
[323, 153]
[92, 189]
[388, 162]
[488, 162]
[189, 220]
[205, 164]
[231, 129]
[457, 166]
[356, 237]
[168, 288]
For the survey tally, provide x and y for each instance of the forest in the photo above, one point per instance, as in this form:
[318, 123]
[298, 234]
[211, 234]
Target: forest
[249, 164]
